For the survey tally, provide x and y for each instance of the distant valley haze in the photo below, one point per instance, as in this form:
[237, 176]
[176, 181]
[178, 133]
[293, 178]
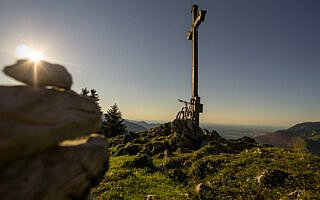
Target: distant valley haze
[258, 60]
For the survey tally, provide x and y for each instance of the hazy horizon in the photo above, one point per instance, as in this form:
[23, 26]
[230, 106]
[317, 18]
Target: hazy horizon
[258, 60]
[206, 124]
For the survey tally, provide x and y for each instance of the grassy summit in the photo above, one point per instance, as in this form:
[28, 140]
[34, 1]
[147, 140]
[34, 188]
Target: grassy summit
[221, 169]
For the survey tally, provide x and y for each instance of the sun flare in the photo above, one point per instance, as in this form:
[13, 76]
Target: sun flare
[23, 51]
[35, 56]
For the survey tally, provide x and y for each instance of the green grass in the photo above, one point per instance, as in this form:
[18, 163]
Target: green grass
[237, 178]
[137, 187]
[234, 176]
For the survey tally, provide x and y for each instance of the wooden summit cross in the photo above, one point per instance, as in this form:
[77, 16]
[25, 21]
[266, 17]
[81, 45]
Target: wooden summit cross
[193, 108]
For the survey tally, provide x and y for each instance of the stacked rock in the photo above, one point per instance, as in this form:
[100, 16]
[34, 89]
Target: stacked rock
[47, 148]
[40, 74]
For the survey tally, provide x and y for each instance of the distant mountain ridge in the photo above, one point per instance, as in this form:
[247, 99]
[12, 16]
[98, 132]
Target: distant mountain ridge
[138, 126]
[133, 127]
[307, 129]
[304, 136]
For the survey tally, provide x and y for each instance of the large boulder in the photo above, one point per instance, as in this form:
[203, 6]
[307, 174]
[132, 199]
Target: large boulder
[32, 120]
[63, 172]
[188, 135]
[212, 136]
[40, 74]
[184, 141]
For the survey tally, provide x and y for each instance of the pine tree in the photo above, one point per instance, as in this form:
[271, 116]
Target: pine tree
[84, 92]
[94, 95]
[114, 123]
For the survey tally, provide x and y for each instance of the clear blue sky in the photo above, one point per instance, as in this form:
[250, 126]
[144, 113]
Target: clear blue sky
[259, 60]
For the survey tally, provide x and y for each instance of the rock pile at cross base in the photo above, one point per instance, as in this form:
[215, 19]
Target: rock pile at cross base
[177, 136]
[47, 148]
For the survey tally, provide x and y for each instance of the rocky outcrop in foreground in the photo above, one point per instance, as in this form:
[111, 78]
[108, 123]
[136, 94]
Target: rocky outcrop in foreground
[44, 117]
[61, 172]
[178, 136]
[47, 150]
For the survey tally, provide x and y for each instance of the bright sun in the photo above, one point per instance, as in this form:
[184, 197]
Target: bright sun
[35, 56]
[23, 51]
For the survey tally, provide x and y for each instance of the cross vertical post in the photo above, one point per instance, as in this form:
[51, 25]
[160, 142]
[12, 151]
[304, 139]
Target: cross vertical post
[192, 109]
[198, 16]
[194, 53]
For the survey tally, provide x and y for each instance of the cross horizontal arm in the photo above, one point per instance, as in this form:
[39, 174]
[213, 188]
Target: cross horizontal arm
[200, 18]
